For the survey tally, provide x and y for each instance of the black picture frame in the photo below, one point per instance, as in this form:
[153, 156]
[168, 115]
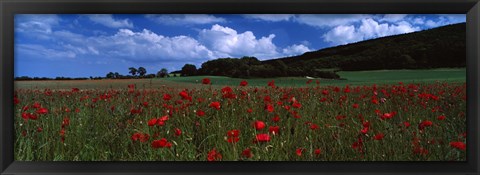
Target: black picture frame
[8, 8]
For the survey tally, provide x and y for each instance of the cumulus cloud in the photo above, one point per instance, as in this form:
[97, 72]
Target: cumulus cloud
[108, 21]
[185, 19]
[295, 49]
[393, 17]
[270, 17]
[329, 20]
[442, 20]
[368, 29]
[227, 42]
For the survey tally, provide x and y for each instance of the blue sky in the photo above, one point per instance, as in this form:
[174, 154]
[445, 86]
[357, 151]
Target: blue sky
[93, 45]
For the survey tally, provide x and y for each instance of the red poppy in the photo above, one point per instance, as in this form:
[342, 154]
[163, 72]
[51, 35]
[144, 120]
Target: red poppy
[16, 100]
[152, 122]
[424, 124]
[167, 97]
[296, 104]
[442, 117]
[42, 111]
[39, 129]
[214, 155]
[233, 133]
[178, 132]
[162, 143]
[215, 105]
[66, 121]
[243, 83]
[249, 110]
[184, 95]
[378, 136]
[263, 138]
[364, 130]
[200, 113]
[259, 125]
[269, 107]
[206, 81]
[407, 124]
[271, 83]
[247, 153]
[459, 145]
[318, 151]
[276, 118]
[355, 105]
[314, 126]
[36, 105]
[274, 129]
[386, 116]
[299, 151]
[75, 89]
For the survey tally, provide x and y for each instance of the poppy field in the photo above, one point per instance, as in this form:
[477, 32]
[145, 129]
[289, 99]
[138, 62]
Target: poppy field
[372, 122]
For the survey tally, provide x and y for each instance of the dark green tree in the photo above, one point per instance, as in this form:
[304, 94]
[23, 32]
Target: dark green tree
[133, 71]
[189, 70]
[142, 71]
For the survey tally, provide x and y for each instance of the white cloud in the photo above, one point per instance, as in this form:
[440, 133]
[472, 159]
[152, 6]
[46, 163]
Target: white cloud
[108, 21]
[185, 19]
[393, 17]
[329, 20]
[270, 17]
[227, 42]
[442, 20]
[38, 23]
[295, 50]
[368, 29]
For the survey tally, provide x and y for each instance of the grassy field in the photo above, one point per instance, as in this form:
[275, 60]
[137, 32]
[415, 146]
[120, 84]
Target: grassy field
[374, 118]
[352, 78]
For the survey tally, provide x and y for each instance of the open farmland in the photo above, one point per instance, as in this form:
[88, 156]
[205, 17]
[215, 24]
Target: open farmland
[371, 116]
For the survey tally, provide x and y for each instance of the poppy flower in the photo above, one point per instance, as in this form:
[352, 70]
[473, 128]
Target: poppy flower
[271, 83]
[459, 145]
[442, 117]
[378, 136]
[39, 129]
[184, 95]
[263, 138]
[364, 130]
[243, 83]
[75, 89]
[314, 126]
[424, 124]
[200, 113]
[214, 155]
[167, 97]
[274, 129]
[276, 118]
[152, 122]
[36, 105]
[178, 132]
[162, 143]
[215, 105]
[296, 104]
[269, 107]
[299, 151]
[42, 111]
[247, 153]
[259, 125]
[206, 81]
[249, 110]
[355, 105]
[318, 151]
[16, 100]
[233, 133]
[406, 124]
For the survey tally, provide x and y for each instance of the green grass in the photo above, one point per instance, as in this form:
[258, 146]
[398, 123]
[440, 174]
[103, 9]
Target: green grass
[352, 78]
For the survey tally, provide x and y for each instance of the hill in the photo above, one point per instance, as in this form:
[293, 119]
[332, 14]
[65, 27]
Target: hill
[434, 48]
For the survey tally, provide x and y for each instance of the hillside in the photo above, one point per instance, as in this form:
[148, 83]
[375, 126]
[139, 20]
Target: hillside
[439, 47]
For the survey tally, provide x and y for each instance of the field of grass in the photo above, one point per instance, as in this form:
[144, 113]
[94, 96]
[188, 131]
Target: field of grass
[352, 78]
[187, 118]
